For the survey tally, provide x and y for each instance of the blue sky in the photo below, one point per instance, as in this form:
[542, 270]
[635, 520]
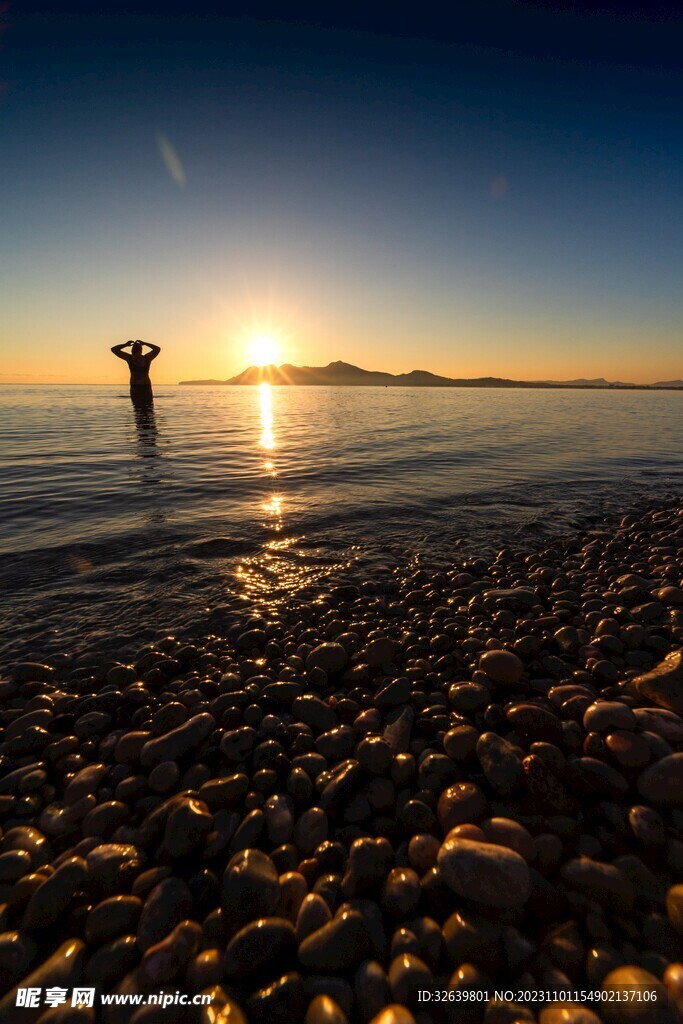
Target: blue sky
[498, 194]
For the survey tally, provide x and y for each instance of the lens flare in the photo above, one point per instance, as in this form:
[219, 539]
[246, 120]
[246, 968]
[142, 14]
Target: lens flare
[263, 349]
[171, 159]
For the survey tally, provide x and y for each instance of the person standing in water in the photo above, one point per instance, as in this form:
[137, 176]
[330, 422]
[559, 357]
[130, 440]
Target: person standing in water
[138, 364]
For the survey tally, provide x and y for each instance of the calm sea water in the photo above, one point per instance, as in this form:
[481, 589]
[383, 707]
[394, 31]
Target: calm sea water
[115, 525]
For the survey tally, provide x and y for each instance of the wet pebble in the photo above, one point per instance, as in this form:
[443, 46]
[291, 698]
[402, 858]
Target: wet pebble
[664, 684]
[485, 873]
[112, 917]
[604, 883]
[459, 778]
[250, 887]
[341, 944]
[324, 1010]
[502, 667]
[499, 762]
[262, 946]
[169, 903]
[330, 657]
[460, 803]
[662, 782]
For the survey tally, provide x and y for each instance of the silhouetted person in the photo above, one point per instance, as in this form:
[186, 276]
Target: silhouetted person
[138, 364]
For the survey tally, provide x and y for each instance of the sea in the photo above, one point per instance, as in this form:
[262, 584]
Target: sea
[119, 525]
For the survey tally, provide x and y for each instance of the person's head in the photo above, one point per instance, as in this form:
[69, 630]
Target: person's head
[136, 348]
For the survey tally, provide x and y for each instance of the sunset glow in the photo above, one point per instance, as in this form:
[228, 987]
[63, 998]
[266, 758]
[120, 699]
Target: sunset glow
[262, 349]
[317, 218]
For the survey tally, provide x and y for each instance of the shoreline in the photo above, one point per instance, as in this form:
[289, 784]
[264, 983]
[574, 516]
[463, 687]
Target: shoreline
[378, 566]
[452, 782]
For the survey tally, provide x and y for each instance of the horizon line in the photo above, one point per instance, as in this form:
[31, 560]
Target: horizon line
[550, 384]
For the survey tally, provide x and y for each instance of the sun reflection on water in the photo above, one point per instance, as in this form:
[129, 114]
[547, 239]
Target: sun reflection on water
[267, 435]
[273, 506]
[284, 564]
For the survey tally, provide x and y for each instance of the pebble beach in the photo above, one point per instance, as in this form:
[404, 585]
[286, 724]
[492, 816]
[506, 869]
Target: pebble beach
[460, 781]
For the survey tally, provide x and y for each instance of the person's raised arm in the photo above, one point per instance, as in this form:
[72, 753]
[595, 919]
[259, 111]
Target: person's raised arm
[118, 350]
[154, 349]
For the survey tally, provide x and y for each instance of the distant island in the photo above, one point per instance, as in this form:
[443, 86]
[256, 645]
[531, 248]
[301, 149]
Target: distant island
[342, 374]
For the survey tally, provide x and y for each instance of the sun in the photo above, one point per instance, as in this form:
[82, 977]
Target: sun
[263, 349]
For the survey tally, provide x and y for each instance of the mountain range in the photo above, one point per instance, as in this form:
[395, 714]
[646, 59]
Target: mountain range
[347, 375]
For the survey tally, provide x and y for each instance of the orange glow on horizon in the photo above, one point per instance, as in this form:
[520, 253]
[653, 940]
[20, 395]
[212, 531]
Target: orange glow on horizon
[262, 350]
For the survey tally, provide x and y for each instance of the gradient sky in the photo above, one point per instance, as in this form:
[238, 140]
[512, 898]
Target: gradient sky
[491, 193]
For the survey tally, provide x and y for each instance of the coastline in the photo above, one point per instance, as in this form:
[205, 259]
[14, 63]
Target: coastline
[342, 374]
[506, 385]
[451, 783]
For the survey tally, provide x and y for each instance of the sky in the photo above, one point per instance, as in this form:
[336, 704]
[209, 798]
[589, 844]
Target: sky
[491, 192]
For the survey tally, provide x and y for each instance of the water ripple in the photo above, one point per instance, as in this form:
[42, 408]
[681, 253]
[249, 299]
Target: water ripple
[225, 497]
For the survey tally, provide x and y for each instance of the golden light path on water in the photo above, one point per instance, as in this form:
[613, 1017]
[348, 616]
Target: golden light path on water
[284, 564]
[267, 435]
[274, 503]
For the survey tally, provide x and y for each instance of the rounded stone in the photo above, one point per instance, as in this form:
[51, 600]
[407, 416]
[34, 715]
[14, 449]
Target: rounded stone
[13, 865]
[314, 712]
[408, 976]
[31, 841]
[365, 867]
[662, 782]
[169, 903]
[117, 915]
[237, 744]
[311, 830]
[628, 749]
[485, 873]
[260, 946]
[374, 755]
[509, 833]
[164, 777]
[113, 866]
[664, 684]
[674, 906]
[535, 723]
[604, 883]
[111, 962]
[380, 651]
[324, 1010]
[468, 697]
[180, 741]
[62, 968]
[500, 763]
[186, 827]
[647, 825]
[53, 897]
[164, 961]
[607, 715]
[17, 952]
[330, 657]
[461, 803]
[631, 979]
[341, 944]
[401, 893]
[502, 667]
[313, 914]
[251, 887]
[460, 742]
